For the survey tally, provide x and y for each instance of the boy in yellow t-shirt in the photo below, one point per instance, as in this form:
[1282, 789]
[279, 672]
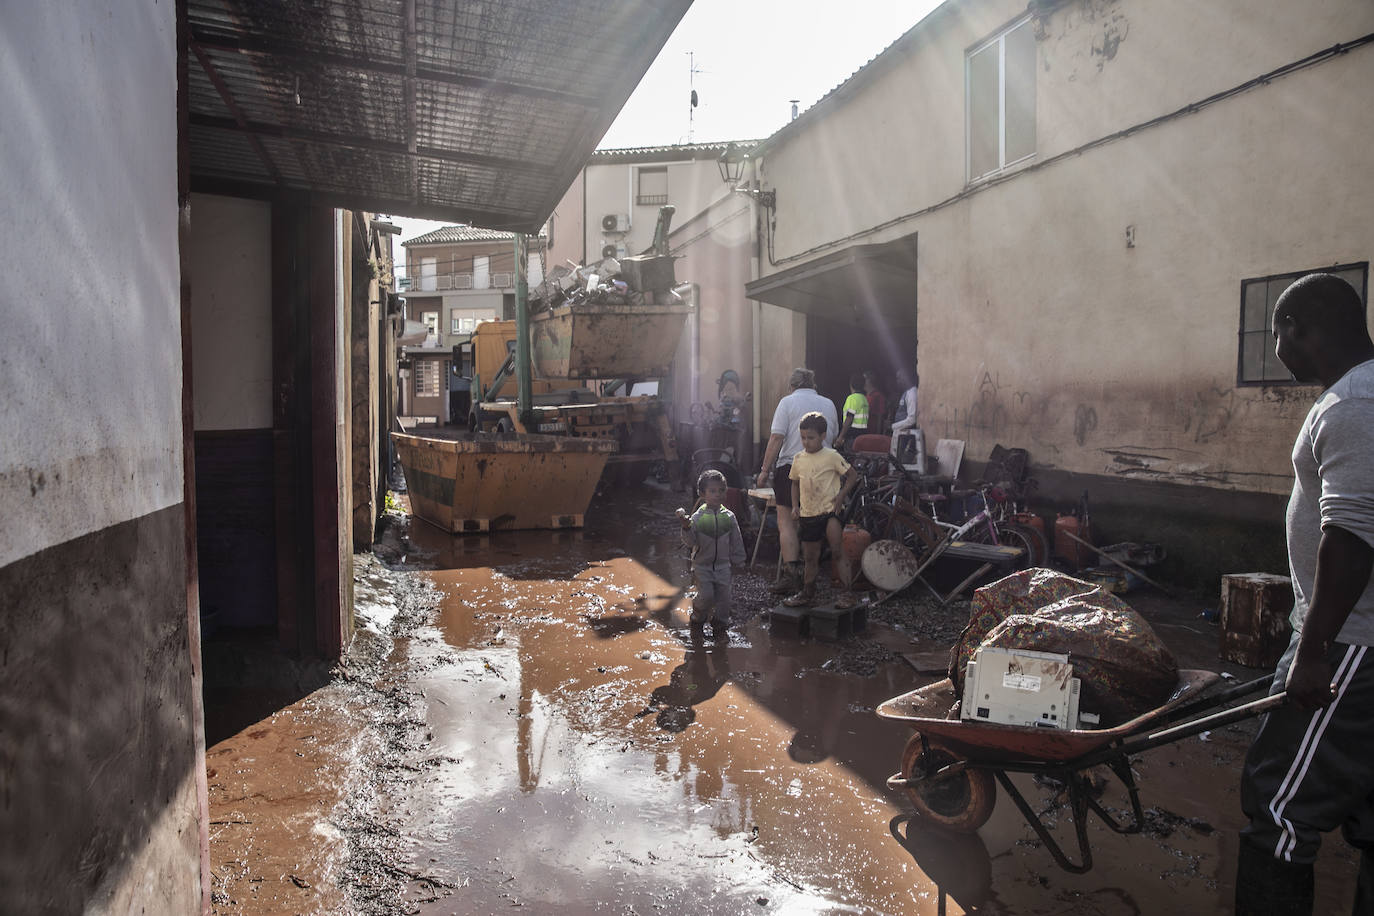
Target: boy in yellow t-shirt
[821, 481]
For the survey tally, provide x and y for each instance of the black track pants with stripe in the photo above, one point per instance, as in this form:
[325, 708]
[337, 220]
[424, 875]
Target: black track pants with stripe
[1311, 772]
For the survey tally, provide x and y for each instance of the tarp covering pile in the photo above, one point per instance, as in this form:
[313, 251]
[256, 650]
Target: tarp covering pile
[1122, 666]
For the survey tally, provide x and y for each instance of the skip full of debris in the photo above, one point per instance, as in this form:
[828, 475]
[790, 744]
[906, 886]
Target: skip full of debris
[645, 279]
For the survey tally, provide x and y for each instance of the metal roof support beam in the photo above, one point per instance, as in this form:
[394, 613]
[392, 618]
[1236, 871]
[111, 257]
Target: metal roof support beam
[228, 98]
[207, 39]
[348, 200]
[363, 143]
[408, 93]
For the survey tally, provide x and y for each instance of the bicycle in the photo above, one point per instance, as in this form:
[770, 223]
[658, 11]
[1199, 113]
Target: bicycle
[996, 526]
[881, 504]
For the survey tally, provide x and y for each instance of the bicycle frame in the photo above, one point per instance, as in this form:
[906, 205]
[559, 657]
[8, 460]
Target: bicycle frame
[984, 515]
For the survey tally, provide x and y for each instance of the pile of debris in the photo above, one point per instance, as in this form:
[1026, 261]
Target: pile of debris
[645, 279]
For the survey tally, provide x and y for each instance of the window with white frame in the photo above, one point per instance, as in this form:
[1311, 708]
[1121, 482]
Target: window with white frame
[431, 321]
[481, 271]
[429, 274]
[653, 185]
[1258, 365]
[999, 77]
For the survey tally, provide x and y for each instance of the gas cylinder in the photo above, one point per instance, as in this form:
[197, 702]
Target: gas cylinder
[1072, 552]
[855, 540]
[1030, 520]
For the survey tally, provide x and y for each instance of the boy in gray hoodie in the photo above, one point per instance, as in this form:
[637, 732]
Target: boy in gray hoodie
[714, 536]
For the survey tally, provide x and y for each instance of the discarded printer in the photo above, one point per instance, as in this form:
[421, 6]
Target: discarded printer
[1022, 687]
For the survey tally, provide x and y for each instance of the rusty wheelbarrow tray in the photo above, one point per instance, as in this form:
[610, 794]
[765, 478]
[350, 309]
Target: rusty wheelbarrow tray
[949, 765]
[493, 481]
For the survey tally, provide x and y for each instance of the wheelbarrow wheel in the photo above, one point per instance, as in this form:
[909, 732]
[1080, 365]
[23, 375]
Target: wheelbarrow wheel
[961, 801]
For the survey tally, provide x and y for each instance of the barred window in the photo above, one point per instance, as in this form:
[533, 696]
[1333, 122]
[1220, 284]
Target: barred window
[428, 378]
[1257, 364]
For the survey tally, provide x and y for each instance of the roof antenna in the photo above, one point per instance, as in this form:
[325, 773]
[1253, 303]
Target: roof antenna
[692, 71]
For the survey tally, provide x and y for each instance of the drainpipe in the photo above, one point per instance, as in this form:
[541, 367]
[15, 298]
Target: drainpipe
[522, 331]
[694, 385]
[756, 317]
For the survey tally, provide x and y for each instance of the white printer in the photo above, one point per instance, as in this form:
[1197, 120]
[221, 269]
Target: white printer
[1020, 687]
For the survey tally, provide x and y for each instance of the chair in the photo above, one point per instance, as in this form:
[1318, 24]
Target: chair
[873, 443]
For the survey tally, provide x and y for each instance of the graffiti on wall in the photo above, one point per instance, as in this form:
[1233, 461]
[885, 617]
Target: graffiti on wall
[1139, 432]
[1211, 413]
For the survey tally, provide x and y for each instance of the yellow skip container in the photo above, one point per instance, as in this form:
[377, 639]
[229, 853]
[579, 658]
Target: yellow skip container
[495, 481]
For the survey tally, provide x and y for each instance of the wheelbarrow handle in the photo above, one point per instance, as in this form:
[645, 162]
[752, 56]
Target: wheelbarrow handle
[1206, 723]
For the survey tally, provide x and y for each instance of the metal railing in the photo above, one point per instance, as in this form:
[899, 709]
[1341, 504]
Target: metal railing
[437, 283]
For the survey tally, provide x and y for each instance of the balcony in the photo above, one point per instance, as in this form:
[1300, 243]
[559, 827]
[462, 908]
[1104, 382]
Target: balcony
[441, 283]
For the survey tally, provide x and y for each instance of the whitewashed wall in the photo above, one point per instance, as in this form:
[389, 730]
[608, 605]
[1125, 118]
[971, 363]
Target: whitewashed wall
[90, 352]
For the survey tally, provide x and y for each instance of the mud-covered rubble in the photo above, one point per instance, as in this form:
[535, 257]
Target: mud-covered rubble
[553, 737]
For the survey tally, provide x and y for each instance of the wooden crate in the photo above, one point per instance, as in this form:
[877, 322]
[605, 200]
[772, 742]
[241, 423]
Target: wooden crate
[1254, 618]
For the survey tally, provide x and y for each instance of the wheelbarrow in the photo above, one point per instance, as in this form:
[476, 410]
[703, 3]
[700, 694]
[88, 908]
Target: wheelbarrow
[949, 766]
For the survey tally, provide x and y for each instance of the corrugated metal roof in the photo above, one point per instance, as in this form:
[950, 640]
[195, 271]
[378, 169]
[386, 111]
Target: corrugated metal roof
[479, 112]
[667, 153]
[450, 234]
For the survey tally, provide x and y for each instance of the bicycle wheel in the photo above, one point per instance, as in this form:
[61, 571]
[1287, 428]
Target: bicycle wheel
[912, 530]
[1010, 534]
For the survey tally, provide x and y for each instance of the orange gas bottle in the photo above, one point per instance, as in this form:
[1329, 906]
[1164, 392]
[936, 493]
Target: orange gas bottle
[1068, 550]
[855, 541]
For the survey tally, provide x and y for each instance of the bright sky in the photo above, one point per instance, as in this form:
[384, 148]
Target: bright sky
[751, 57]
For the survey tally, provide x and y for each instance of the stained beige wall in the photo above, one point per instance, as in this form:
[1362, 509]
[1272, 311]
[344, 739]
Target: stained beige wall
[713, 253]
[1038, 325]
[568, 227]
[611, 188]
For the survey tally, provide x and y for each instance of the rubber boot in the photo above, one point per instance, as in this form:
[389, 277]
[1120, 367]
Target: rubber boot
[1266, 886]
[789, 580]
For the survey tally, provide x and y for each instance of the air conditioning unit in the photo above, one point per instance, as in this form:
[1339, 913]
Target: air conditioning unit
[612, 250]
[615, 222]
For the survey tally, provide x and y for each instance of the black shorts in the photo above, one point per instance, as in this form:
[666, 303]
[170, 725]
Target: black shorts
[782, 486]
[813, 527]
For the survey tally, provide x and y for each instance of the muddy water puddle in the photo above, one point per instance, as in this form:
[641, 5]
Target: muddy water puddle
[588, 754]
[604, 760]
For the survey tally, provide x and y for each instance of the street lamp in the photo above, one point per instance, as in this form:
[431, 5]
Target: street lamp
[731, 164]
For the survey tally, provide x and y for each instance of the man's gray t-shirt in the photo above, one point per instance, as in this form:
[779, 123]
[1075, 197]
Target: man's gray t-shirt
[787, 417]
[1333, 485]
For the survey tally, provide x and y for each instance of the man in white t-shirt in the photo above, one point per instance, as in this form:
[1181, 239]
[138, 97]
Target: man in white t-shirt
[1310, 768]
[784, 443]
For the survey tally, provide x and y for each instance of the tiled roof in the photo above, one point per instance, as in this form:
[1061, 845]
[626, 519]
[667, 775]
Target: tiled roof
[447, 235]
[666, 153]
